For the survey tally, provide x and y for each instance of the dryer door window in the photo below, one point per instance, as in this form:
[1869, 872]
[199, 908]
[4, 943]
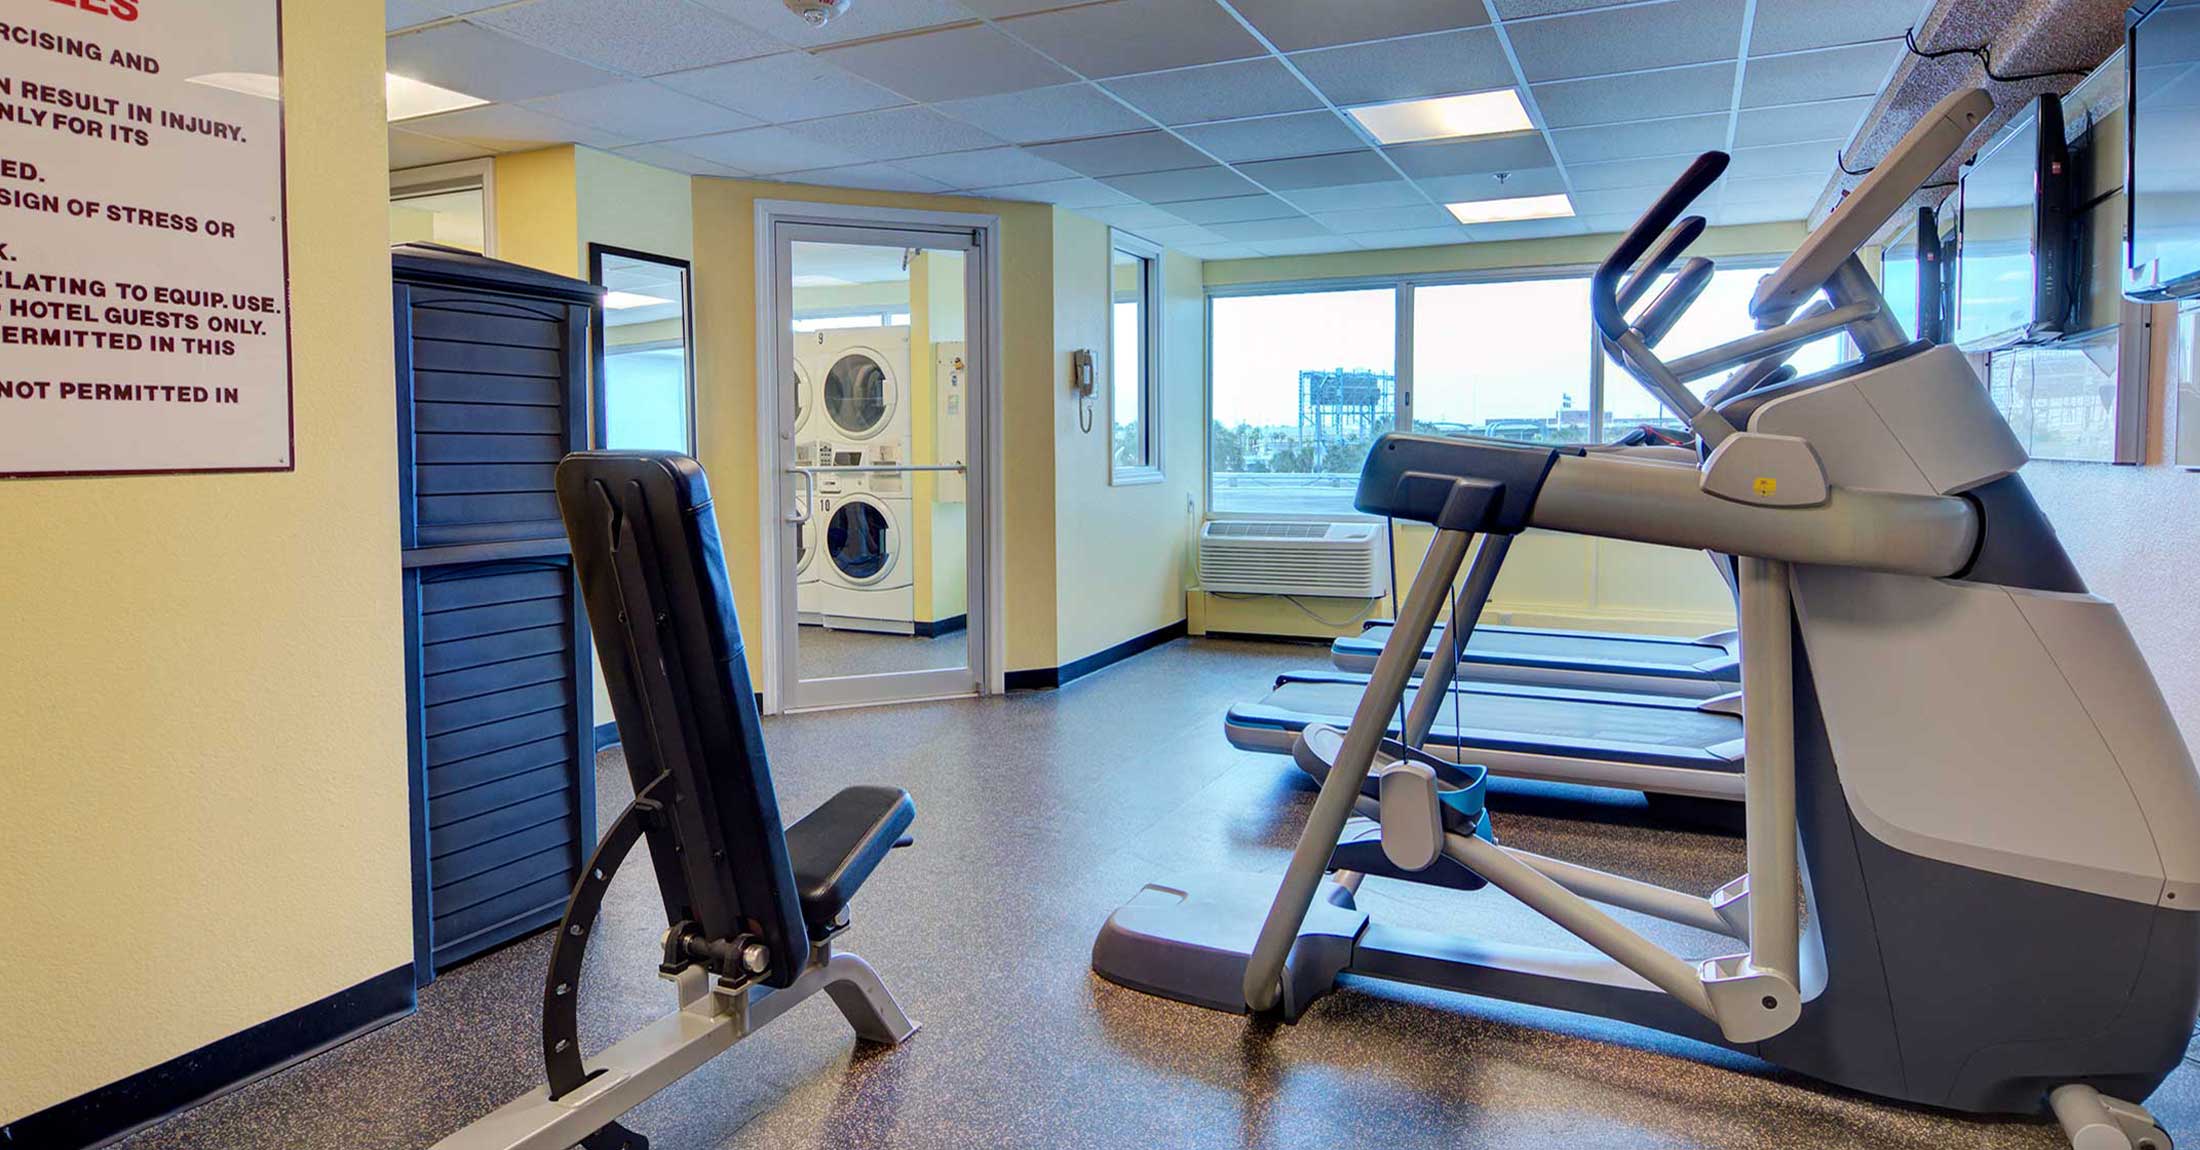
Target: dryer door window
[859, 541]
[801, 398]
[858, 395]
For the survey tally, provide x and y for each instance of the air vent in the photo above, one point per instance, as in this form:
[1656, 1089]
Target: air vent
[1293, 557]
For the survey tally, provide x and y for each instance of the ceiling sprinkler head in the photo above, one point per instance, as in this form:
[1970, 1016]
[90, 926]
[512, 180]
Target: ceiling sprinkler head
[817, 13]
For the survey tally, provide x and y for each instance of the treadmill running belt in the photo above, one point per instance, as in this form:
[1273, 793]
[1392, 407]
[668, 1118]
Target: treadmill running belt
[1670, 654]
[1528, 724]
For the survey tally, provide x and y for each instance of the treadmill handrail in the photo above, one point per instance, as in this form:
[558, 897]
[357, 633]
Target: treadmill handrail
[1652, 502]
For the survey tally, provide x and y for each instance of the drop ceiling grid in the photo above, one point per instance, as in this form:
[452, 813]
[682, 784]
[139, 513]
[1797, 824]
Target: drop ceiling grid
[534, 120]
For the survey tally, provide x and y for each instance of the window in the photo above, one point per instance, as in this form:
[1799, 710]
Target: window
[645, 393]
[838, 321]
[1302, 378]
[2081, 398]
[448, 204]
[1507, 360]
[1719, 315]
[1301, 384]
[1133, 360]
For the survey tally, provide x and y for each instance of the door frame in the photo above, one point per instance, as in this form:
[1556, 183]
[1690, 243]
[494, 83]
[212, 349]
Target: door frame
[774, 489]
[599, 349]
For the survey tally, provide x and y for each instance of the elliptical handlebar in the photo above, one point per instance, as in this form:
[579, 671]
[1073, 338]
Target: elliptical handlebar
[1677, 240]
[1666, 310]
[1604, 286]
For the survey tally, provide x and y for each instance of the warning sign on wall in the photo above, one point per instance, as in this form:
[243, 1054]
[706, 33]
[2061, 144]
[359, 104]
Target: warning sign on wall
[144, 304]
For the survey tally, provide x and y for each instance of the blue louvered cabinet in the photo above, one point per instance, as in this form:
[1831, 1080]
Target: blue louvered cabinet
[491, 392]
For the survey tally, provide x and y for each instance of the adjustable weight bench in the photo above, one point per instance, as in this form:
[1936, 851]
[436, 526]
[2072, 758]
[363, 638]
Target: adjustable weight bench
[753, 908]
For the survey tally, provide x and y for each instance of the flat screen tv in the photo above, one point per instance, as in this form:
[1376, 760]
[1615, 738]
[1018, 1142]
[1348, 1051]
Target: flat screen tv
[2162, 161]
[2014, 257]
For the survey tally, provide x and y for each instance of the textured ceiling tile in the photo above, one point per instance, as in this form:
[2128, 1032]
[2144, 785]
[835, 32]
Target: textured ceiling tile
[1233, 208]
[641, 110]
[1123, 155]
[892, 134]
[1628, 39]
[488, 64]
[1448, 63]
[641, 37]
[678, 161]
[765, 151]
[1346, 197]
[1395, 219]
[1077, 193]
[512, 127]
[1123, 36]
[788, 86]
[1134, 216]
[1832, 120]
[1656, 172]
[1180, 237]
[1070, 111]
[874, 177]
[1210, 182]
[1688, 135]
[1216, 92]
[986, 167]
[1527, 230]
[1293, 227]
[415, 150]
[1361, 167]
[1478, 154]
[1294, 25]
[1782, 160]
[1614, 99]
[1788, 25]
[950, 64]
[1002, 9]
[861, 21]
[1859, 70]
[1412, 237]
[1223, 252]
[1272, 137]
[1627, 202]
[1528, 182]
[1516, 9]
[1307, 246]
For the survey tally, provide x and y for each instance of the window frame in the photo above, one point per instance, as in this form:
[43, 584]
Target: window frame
[461, 176]
[1405, 285]
[1149, 383]
[598, 424]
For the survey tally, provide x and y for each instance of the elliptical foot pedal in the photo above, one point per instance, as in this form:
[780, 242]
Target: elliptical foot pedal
[1192, 940]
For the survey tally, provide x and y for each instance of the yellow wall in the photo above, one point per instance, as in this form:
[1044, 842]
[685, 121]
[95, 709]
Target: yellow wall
[1120, 550]
[206, 731]
[725, 287]
[1549, 580]
[538, 210]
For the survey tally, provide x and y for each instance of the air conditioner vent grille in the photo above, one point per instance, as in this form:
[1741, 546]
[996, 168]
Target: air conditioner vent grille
[1294, 557]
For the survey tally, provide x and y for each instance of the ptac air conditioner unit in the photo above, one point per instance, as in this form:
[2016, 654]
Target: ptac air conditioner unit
[1344, 560]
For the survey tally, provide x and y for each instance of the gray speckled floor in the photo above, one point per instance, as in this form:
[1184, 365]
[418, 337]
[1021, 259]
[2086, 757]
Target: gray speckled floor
[827, 654]
[1038, 814]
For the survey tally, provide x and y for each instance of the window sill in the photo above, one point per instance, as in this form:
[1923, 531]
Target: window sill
[1134, 476]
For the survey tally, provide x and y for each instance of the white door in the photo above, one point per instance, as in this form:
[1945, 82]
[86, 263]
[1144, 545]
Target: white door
[880, 522]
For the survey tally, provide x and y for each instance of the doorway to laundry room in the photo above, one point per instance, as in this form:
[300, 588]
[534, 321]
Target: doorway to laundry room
[880, 508]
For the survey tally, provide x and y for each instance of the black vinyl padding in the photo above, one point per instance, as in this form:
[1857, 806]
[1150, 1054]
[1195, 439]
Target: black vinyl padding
[835, 847]
[1393, 479]
[653, 575]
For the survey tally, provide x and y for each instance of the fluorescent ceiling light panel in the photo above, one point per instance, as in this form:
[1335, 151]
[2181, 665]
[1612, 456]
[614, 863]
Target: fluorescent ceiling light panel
[1516, 208]
[406, 98]
[625, 300]
[1445, 117]
[410, 99]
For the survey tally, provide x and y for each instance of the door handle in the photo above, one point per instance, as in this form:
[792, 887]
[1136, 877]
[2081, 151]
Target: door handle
[809, 500]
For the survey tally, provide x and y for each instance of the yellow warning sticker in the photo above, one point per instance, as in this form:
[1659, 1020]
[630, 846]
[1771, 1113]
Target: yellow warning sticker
[1766, 485]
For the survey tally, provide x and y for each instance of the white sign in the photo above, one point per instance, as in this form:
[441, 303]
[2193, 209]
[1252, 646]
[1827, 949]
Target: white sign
[144, 294]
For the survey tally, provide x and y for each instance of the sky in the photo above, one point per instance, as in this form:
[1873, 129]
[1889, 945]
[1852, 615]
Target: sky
[1481, 351]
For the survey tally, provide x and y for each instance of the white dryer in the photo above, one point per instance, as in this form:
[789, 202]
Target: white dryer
[805, 390]
[861, 379]
[868, 575]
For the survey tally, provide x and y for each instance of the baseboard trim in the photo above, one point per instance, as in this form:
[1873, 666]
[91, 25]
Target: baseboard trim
[118, 1109]
[1050, 678]
[934, 628]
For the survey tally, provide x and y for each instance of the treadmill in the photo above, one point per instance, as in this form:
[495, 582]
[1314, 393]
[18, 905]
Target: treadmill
[1699, 668]
[1674, 743]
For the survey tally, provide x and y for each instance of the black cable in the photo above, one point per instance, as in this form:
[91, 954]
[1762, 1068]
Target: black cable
[1985, 56]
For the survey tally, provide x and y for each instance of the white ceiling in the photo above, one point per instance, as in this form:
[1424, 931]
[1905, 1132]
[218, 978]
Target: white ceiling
[1212, 126]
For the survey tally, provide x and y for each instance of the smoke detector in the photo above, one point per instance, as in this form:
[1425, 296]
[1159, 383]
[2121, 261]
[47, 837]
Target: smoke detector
[816, 13]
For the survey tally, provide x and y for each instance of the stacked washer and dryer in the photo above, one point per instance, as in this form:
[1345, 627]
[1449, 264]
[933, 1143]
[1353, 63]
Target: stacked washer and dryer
[853, 568]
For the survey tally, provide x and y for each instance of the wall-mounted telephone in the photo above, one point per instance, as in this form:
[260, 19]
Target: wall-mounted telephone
[1084, 379]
